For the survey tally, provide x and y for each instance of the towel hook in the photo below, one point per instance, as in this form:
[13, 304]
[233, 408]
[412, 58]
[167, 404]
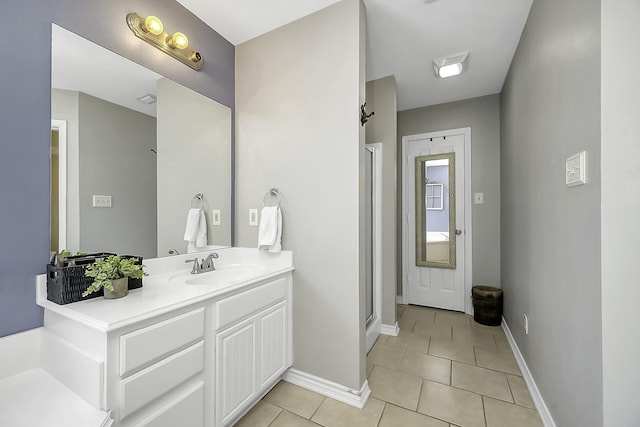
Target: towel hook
[199, 199]
[271, 193]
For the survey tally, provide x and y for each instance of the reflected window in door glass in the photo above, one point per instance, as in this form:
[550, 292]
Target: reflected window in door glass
[435, 211]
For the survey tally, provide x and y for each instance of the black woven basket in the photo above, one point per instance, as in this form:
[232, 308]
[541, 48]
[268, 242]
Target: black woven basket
[134, 283]
[66, 284]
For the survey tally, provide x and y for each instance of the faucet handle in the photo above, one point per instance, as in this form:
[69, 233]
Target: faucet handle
[195, 264]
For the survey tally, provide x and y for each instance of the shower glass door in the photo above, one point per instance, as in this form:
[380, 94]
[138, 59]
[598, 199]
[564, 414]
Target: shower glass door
[369, 200]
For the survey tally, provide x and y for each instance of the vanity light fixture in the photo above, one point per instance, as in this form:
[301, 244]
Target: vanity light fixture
[151, 30]
[450, 66]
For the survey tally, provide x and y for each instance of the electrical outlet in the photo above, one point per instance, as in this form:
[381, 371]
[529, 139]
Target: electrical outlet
[101, 201]
[215, 217]
[526, 324]
[253, 217]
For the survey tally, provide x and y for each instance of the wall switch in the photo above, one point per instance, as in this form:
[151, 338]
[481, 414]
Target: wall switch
[526, 324]
[576, 169]
[215, 217]
[101, 201]
[253, 217]
[478, 198]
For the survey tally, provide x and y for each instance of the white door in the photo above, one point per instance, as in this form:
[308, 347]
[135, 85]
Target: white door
[441, 284]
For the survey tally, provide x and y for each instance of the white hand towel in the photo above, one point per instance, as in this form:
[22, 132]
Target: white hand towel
[201, 237]
[193, 223]
[196, 230]
[277, 245]
[270, 231]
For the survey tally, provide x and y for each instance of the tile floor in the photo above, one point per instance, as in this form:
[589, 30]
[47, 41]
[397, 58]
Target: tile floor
[442, 370]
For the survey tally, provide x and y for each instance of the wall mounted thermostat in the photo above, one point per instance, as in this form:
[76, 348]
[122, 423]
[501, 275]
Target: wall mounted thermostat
[576, 170]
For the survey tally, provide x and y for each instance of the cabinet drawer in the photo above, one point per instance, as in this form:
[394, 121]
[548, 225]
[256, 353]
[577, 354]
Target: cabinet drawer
[186, 410]
[144, 346]
[152, 382]
[236, 307]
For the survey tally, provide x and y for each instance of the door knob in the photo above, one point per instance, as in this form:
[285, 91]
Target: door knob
[458, 232]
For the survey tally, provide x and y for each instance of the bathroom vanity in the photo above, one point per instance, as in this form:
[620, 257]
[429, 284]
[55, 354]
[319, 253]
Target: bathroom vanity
[185, 349]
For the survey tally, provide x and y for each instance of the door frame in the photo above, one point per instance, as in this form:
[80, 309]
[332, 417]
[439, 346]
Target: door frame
[468, 213]
[375, 327]
[61, 127]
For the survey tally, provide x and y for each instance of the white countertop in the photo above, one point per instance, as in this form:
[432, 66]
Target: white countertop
[164, 289]
[35, 398]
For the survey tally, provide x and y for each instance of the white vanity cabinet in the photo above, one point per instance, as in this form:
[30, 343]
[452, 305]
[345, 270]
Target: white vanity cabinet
[161, 367]
[201, 363]
[253, 346]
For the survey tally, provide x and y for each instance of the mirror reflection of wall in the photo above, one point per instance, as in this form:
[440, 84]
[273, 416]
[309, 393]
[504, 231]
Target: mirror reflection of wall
[117, 147]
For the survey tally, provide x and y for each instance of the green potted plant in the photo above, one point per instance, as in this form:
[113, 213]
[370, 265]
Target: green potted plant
[113, 274]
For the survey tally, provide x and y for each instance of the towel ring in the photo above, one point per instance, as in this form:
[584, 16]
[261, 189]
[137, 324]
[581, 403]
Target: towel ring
[270, 194]
[199, 199]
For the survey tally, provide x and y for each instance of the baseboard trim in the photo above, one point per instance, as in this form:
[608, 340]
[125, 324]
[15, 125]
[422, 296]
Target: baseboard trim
[373, 332]
[543, 410]
[390, 330]
[357, 398]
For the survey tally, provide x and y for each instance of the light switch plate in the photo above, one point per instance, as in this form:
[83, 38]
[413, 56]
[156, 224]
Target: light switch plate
[101, 201]
[478, 198]
[215, 217]
[253, 217]
[576, 170]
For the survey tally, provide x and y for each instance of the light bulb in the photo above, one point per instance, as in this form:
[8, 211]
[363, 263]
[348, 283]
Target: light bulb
[179, 41]
[450, 70]
[153, 25]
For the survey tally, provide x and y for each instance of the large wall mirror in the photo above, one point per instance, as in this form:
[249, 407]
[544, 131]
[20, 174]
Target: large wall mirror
[130, 152]
[436, 211]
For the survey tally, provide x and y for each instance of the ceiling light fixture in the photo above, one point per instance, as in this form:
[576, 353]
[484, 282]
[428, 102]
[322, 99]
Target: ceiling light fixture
[450, 66]
[147, 99]
[151, 30]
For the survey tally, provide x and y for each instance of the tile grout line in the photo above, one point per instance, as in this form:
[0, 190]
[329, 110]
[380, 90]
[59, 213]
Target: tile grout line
[314, 412]
[484, 412]
[384, 408]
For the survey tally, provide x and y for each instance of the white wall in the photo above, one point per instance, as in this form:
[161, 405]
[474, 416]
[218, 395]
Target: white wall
[382, 128]
[620, 162]
[194, 156]
[298, 91]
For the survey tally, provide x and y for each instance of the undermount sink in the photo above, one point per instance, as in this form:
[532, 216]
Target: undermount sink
[225, 274]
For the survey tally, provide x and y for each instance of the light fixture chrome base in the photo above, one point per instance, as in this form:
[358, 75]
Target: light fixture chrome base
[187, 56]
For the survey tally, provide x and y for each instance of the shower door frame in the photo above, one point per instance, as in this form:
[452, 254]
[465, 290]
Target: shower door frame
[375, 326]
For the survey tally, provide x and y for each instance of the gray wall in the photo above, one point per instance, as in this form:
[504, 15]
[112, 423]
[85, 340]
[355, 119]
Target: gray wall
[25, 94]
[382, 128]
[110, 145]
[551, 233]
[298, 129]
[65, 106]
[482, 115]
[620, 164]
[115, 160]
[194, 156]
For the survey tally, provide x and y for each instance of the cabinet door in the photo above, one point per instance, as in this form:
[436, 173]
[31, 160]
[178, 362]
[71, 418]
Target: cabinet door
[235, 370]
[273, 345]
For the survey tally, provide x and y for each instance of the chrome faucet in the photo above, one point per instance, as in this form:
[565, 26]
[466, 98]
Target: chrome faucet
[207, 263]
[204, 266]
